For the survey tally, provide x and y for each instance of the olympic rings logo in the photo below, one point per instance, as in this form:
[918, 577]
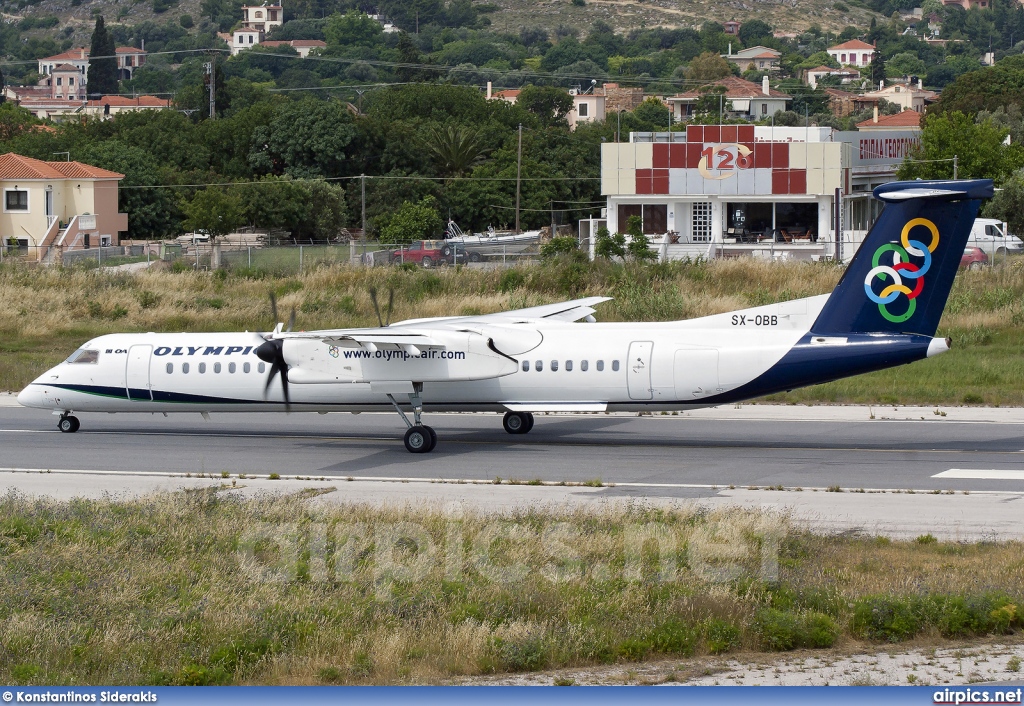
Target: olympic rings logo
[333, 351]
[902, 270]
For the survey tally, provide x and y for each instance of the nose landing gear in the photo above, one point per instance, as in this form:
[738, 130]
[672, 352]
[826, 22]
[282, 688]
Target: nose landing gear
[68, 424]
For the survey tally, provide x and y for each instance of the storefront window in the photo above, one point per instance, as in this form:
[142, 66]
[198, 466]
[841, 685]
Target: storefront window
[653, 216]
[748, 221]
[796, 221]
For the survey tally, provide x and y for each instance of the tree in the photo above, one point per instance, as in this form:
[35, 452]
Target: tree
[354, 28]
[548, 103]
[326, 213]
[14, 121]
[609, 246]
[978, 148]
[877, 68]
[412, 221]
[1008, 203]
[639, 247]
[904, 64]
[102, 76]
[456, 148]
[214, 212]
[708, 67]
[987, 89]
[755, 31]
[306, 138]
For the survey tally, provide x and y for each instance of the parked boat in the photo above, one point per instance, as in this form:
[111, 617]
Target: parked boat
[492, 243]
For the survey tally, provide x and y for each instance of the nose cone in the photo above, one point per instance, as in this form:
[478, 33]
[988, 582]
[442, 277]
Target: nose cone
[31, 396]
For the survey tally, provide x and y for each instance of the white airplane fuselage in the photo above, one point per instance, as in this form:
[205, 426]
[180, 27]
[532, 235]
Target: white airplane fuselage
[572, 367]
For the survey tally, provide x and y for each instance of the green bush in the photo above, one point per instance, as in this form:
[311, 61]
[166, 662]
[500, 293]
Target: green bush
[559, 246]
[511, 280]
[886, 618]
[779, 630]
[721, 636]
[674, 637]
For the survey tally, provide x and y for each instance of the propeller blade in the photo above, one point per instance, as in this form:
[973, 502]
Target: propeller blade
[376, 308]
[391, 303]
[273, 308]
[272, 352]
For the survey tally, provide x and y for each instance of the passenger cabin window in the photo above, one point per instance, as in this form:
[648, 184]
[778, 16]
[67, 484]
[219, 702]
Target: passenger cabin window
[261, 367]
[231, 367]
[554, 366]
[584, 365]
[600, 365]
[170, 368]
[84, 356]
[216, 367]
[526, 366]
[538, 366]
[184, 368]
[246, 367]
[202, 368]
[568, 365]
[615, 365]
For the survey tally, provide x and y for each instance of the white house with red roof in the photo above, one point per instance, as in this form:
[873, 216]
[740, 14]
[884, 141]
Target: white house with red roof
[262, 17]
[129, 59]
[852, 53]
[812, 76]
[755, 59]
[739, 99]
[50, 207]
[108, 106]
[302, 46]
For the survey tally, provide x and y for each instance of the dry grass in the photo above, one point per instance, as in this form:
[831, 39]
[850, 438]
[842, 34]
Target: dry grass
[197, 588]
[49, 312]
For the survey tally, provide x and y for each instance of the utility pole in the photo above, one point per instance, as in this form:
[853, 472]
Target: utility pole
[362, 179]
[211, 72]
[519, 172]
[954, 166]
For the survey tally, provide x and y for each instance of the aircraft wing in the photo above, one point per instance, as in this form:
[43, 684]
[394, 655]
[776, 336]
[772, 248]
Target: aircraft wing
[573, 310]
[380, 337]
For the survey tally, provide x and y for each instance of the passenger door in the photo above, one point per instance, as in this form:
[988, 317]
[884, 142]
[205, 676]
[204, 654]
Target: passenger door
[696, 373]
[137, 374]
[638, 370]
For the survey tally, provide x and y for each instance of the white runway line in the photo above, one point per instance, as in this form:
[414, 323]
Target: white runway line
[981, 474]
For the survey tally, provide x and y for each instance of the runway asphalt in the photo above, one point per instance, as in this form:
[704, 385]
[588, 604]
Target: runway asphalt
[956, 473]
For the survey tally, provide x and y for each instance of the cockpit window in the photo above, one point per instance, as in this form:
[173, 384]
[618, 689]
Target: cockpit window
[84, 355]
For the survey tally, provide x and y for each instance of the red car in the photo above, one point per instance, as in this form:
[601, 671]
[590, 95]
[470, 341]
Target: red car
[973, 259]
[423, 252]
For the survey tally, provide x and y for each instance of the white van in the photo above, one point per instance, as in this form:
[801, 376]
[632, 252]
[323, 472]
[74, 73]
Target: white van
[990, 235]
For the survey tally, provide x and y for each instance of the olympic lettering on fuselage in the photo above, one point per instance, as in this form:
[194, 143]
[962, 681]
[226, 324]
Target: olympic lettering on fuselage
[204, 350]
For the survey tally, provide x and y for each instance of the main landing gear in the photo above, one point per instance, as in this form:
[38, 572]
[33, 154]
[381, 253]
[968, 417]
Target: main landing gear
[419, 438]
[68, 424]
[517, 422]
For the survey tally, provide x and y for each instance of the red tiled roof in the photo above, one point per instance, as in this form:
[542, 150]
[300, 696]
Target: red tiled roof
[908, 118]
[507, 93]
[736, 87]
[129, 50]
[307, 43]
[65, 67]
[852, 44]
[16, 166]
[77, 54]
[132, 101]
[275, 43]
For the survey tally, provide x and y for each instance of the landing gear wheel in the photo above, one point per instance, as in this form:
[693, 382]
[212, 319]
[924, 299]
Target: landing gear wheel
[517, 422]
[420, 439]
[68, 424]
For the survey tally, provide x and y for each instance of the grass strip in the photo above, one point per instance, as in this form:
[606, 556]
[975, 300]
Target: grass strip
[205, 588]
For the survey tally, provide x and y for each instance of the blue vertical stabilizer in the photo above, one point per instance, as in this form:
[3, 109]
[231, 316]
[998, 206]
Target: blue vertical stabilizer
[900, 278]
